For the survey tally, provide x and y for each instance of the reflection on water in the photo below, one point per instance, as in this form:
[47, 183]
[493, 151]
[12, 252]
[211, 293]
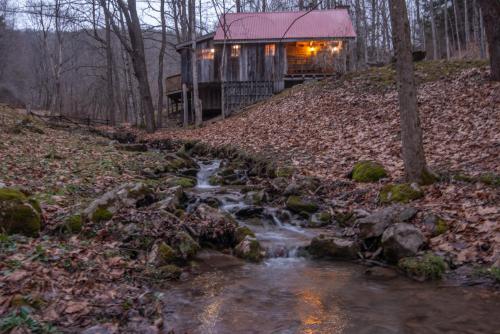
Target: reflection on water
[291, 295]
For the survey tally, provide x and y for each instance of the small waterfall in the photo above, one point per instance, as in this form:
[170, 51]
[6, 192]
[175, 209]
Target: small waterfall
[207, 169]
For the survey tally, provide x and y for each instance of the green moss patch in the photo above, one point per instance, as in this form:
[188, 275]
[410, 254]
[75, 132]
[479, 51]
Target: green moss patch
[166, 253]
[428, 267]
[241, 232]
[368, 171]
[297, 204]
[399, 193]
[73, 224]
[101, 215]
[184, 182]
[284, 172]
[18, 214]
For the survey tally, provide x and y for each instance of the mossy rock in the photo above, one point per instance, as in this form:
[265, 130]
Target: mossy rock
[73, 224]
[166, 253]
[184, 182]
[169, 271]
[427, 267]
[18, 213]
[441, 227]
[101, 215]
[285, 172]
[187, 247]
[399, 193]
[298, 205]
[319, 219]
[249, 249]
[216, 180]
[368, 171]
[241, 232]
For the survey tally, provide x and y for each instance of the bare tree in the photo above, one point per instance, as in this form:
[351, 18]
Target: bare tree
[411, 132]
[491, 16]
[194, 65]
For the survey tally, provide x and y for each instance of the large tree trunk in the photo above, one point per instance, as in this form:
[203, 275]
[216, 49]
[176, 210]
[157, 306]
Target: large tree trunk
[446, 33]
[491, 17]
[194, 66]
[433, 31]
[109, 74]
[411, 133]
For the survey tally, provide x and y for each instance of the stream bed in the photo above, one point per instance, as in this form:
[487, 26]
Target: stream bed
[287, 293]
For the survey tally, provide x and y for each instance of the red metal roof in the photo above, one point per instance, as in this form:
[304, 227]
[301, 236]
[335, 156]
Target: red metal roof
[316, 24]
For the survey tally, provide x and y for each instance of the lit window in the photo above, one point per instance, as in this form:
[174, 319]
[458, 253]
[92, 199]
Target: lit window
[235, 50]
[207, 54]
[270, 49]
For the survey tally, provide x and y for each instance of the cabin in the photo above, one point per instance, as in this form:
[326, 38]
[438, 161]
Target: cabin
[252, 56]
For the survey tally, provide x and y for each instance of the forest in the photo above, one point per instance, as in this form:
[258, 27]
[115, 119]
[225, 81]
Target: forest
[346, 182]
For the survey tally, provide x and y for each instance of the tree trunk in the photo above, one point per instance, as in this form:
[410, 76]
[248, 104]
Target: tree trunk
[446, 34]
[161, 57]
[435, 50]
[491, 17]
[455, 11]
[109, 73]
[411, 133]
[466, 24]
[194, 67]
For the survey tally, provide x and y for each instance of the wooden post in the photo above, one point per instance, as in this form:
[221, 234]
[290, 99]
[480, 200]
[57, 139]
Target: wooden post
[185, 104]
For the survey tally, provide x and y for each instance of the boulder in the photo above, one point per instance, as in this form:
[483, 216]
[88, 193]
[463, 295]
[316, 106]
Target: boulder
[18, 213]
[242, 232]
[249, 249]
[319, 219]
[249, 212]
[400, 193]
[213, 227]
[256, 197]
[401, 240]
[178, 162]
[125, 195]
[172, 199]
[298, 205]
[373, 225]
[185, 245]
[184, 182]
[434, 224]
[427, 267]
[332, 247]
[368, 171]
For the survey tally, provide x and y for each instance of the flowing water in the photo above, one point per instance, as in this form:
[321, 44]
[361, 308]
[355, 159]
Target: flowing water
[290, 294]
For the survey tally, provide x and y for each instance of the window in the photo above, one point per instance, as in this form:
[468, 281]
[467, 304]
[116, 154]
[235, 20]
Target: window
[207, 54]
[235, 50]
[270, 49]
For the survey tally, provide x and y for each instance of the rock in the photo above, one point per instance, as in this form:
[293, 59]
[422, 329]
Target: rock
[173, 199]
[169, 271]
[177, 162]
[184, 182]
[427, 267]
[123, 196]
[333, 247]
[213, 226]
[249, 249]
[163, 254]
[297, 204]
[400, 193]
[435, 224]
[368, 171]
[132, 147]
[249, 212]
[185, 245]
[256, 197]
[319, 219]
[242, 232]
[373, 225]
[19, 214]
[101, 329]
[407, 214]
[401, 240]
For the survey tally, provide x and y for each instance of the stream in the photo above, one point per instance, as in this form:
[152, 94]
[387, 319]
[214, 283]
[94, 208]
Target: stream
[287, 293]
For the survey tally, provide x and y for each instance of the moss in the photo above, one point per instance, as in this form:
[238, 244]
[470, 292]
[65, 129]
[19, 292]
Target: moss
[34, 203]
[9, 194]
[101, 215]
[490, 179]
[166, 253]
[368, 171]
[284, 172]
[215, 180]
[428, 267]
[400, 193]
[183, 182]
[241, 232]
[344, 219]
[73, 224]
[249, 249]
[169, 271]
[325, 216]
[298, 205]
[441, 227]
[20, 218]
[186, 245]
